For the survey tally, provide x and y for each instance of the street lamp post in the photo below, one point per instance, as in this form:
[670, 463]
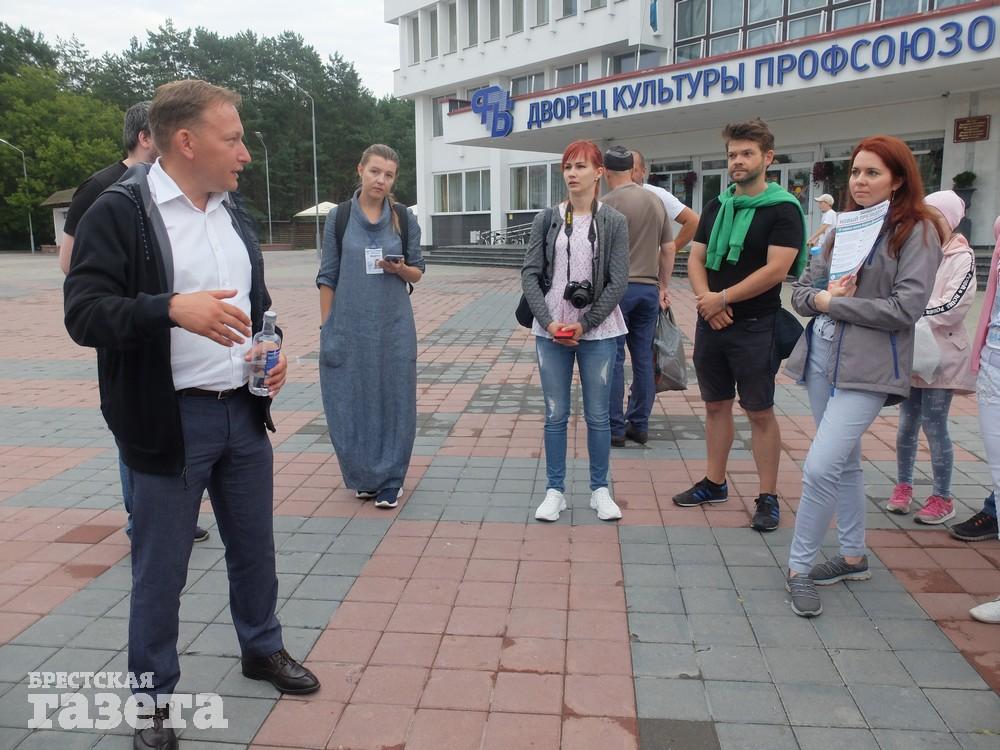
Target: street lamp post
[267, 177]
[312, 104]
[24, 167]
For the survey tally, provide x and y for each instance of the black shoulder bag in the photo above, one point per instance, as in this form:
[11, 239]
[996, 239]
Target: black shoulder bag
[523, 311]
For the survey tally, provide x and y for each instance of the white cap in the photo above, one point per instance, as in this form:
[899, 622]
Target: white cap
[825, 198]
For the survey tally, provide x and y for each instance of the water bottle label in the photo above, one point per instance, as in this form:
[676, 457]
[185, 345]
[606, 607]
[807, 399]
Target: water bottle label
[271, 360]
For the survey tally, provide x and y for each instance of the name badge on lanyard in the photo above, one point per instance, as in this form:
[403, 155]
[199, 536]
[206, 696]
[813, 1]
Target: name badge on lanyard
[373, 255]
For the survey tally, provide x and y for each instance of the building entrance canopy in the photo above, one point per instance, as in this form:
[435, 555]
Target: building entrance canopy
[877, 65]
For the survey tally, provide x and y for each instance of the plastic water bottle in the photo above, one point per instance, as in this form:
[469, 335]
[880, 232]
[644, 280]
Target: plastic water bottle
[266, 348]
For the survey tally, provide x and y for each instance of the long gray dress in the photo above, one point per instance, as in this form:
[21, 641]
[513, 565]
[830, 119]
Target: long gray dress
[368, 352]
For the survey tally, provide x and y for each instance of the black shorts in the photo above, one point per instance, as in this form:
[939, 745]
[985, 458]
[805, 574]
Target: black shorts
[741, 357]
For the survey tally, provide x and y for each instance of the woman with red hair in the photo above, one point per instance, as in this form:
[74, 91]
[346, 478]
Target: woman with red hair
[574, 274]
[856, 357]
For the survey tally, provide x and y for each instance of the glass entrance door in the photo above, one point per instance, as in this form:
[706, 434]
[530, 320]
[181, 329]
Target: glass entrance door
[712, 183]
[796, 179]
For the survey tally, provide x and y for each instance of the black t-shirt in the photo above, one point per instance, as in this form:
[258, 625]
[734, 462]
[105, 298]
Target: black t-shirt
[87, 193]
[772, 225]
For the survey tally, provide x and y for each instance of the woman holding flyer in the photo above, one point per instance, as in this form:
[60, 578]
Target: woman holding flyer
[930, 396]
[864, 293]
[575, 273]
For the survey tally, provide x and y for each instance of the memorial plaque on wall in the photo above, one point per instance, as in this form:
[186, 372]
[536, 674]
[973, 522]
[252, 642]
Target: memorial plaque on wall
[969, 129]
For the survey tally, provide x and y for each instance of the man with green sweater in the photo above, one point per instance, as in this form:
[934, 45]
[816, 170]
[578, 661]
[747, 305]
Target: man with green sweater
[747, 242]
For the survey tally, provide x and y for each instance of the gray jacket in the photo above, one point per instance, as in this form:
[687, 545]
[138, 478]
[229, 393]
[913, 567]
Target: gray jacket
[873, 340]
[612, 264]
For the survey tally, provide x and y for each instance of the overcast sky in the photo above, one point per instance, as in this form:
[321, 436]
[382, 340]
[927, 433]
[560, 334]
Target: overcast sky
[354, 28]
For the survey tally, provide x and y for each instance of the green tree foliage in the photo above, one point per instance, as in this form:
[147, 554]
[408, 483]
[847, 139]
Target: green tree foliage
[348, 116]
[65, 137]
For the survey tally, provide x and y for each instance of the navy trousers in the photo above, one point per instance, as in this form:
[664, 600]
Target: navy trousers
[228, 453]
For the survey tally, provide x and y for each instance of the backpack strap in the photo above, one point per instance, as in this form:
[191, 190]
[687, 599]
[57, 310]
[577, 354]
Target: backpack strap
[340, 226]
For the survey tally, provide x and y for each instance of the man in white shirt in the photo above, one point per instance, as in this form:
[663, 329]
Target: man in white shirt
[827, 222]
[676, 210]
[167, 282]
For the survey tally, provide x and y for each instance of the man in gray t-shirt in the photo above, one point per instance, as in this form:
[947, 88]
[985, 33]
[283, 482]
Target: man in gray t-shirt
[651, 262]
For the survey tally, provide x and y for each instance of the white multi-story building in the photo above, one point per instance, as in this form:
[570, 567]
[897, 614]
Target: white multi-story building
[664, 76]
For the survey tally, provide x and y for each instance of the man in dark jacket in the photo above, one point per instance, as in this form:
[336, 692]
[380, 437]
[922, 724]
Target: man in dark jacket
[167, 283]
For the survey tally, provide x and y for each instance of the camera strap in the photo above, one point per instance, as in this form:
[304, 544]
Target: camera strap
[591, 236]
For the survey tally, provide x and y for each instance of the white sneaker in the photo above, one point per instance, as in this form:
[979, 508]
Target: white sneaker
[365, 494]
[553, 504]
[987, 612]
[389, 503]
[607, 510]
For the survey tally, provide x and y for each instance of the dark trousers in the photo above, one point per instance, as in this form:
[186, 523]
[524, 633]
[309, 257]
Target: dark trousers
[639, 306]
[228, 453]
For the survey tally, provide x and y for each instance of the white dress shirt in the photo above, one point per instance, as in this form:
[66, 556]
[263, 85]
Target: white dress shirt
[207, 254]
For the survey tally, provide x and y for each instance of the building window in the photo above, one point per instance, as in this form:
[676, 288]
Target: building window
[627, 63]
[797, 6]
[449, 192]
[938, 4]
[763, 35]
[855, 15]
[726, 14]
[414, 40]
[557, 187]
[494, 20]
[571, 74]
[473, 22]
[763, 10]
[690, 18]
[452, 27]
[541, 12]
[693, 51]
[720, 45]
[595, 4]
[568, 8]
[671, 176]
[438, 106]
[807, 26]
[897, 8]
[527, 84]
[433, 20]
[535, 186]
[516, 16]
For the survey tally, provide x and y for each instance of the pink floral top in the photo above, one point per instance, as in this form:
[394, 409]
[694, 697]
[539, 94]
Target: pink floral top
[576, 265]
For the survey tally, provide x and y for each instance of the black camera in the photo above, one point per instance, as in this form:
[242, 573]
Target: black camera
[579, 293]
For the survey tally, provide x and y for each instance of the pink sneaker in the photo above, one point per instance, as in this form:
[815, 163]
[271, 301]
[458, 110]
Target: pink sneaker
[902, 496]
[936, 510]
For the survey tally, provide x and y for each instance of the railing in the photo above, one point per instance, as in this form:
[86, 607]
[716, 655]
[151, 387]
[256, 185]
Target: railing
[516, 235]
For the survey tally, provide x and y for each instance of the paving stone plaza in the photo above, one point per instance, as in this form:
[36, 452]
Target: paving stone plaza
[458, 622]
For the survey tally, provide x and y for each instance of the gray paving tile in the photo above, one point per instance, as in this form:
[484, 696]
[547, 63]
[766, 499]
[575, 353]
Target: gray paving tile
[659, 628]
[784, 631]
[820, 705]
[674, 734]
[924, 635]
[664, 660]
[332, 588]
[744, 702]
[642, 535]
[886, 707]
[726, 630]
[890, 604]
[201, 673]
[201, 607]
[47, 740]
[824, 738]
[658, 698]
[982, 741]
[941, 669]
[712, 601]
[9, 737]
[16, 661]
[897, 739]
[648, 575]
[307, 613]
[682, 536]
[750, 555]
[217, 639]
[340, 564]
[767, 602]
[750, 577]
[306, 543]
[107, 632]
[801, 665]
[870, 668]
[646, 554]
[703, 576]
[967, 710]
[839, 601]
[654, 599]
[755, 737]
[245, 717]
[53, 630]
[701, 554]
[90, 602]
[741, 663]
[73, 659]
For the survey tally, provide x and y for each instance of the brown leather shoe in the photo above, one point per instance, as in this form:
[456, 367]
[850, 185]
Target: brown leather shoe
[282, 671]
[635, 436]
[156, 737]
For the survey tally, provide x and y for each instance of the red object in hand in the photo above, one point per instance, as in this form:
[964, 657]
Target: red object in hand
[564, 333]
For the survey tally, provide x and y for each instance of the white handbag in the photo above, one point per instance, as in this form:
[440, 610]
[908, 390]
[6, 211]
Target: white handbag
[926, 353]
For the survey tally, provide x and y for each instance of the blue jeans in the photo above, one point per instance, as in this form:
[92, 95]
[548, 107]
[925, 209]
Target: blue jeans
[226, 451]
[640, 306]
[555, 366]
[126, 477]
[832, 479]
[990, 505]
[927, 408]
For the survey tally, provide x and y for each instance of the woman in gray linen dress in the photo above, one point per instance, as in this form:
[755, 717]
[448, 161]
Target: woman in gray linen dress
[368, 340]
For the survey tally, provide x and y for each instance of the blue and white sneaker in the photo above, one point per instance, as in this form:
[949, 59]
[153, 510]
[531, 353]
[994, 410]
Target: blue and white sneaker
[704, 491]
[768, 513]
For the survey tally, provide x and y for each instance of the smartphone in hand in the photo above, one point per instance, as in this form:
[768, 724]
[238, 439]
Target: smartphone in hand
[393, 258]
[563, 333]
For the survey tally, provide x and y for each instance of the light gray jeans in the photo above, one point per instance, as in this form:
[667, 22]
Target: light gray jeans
[832, 480]
[988, 396]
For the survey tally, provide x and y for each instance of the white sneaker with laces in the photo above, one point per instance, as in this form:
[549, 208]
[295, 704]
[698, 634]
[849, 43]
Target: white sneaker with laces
[607, 510]
[987, 612]
[553, 504]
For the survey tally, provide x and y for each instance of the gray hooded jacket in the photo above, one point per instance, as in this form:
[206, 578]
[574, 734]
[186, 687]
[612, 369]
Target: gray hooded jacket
[873, 341]
[612, 264]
